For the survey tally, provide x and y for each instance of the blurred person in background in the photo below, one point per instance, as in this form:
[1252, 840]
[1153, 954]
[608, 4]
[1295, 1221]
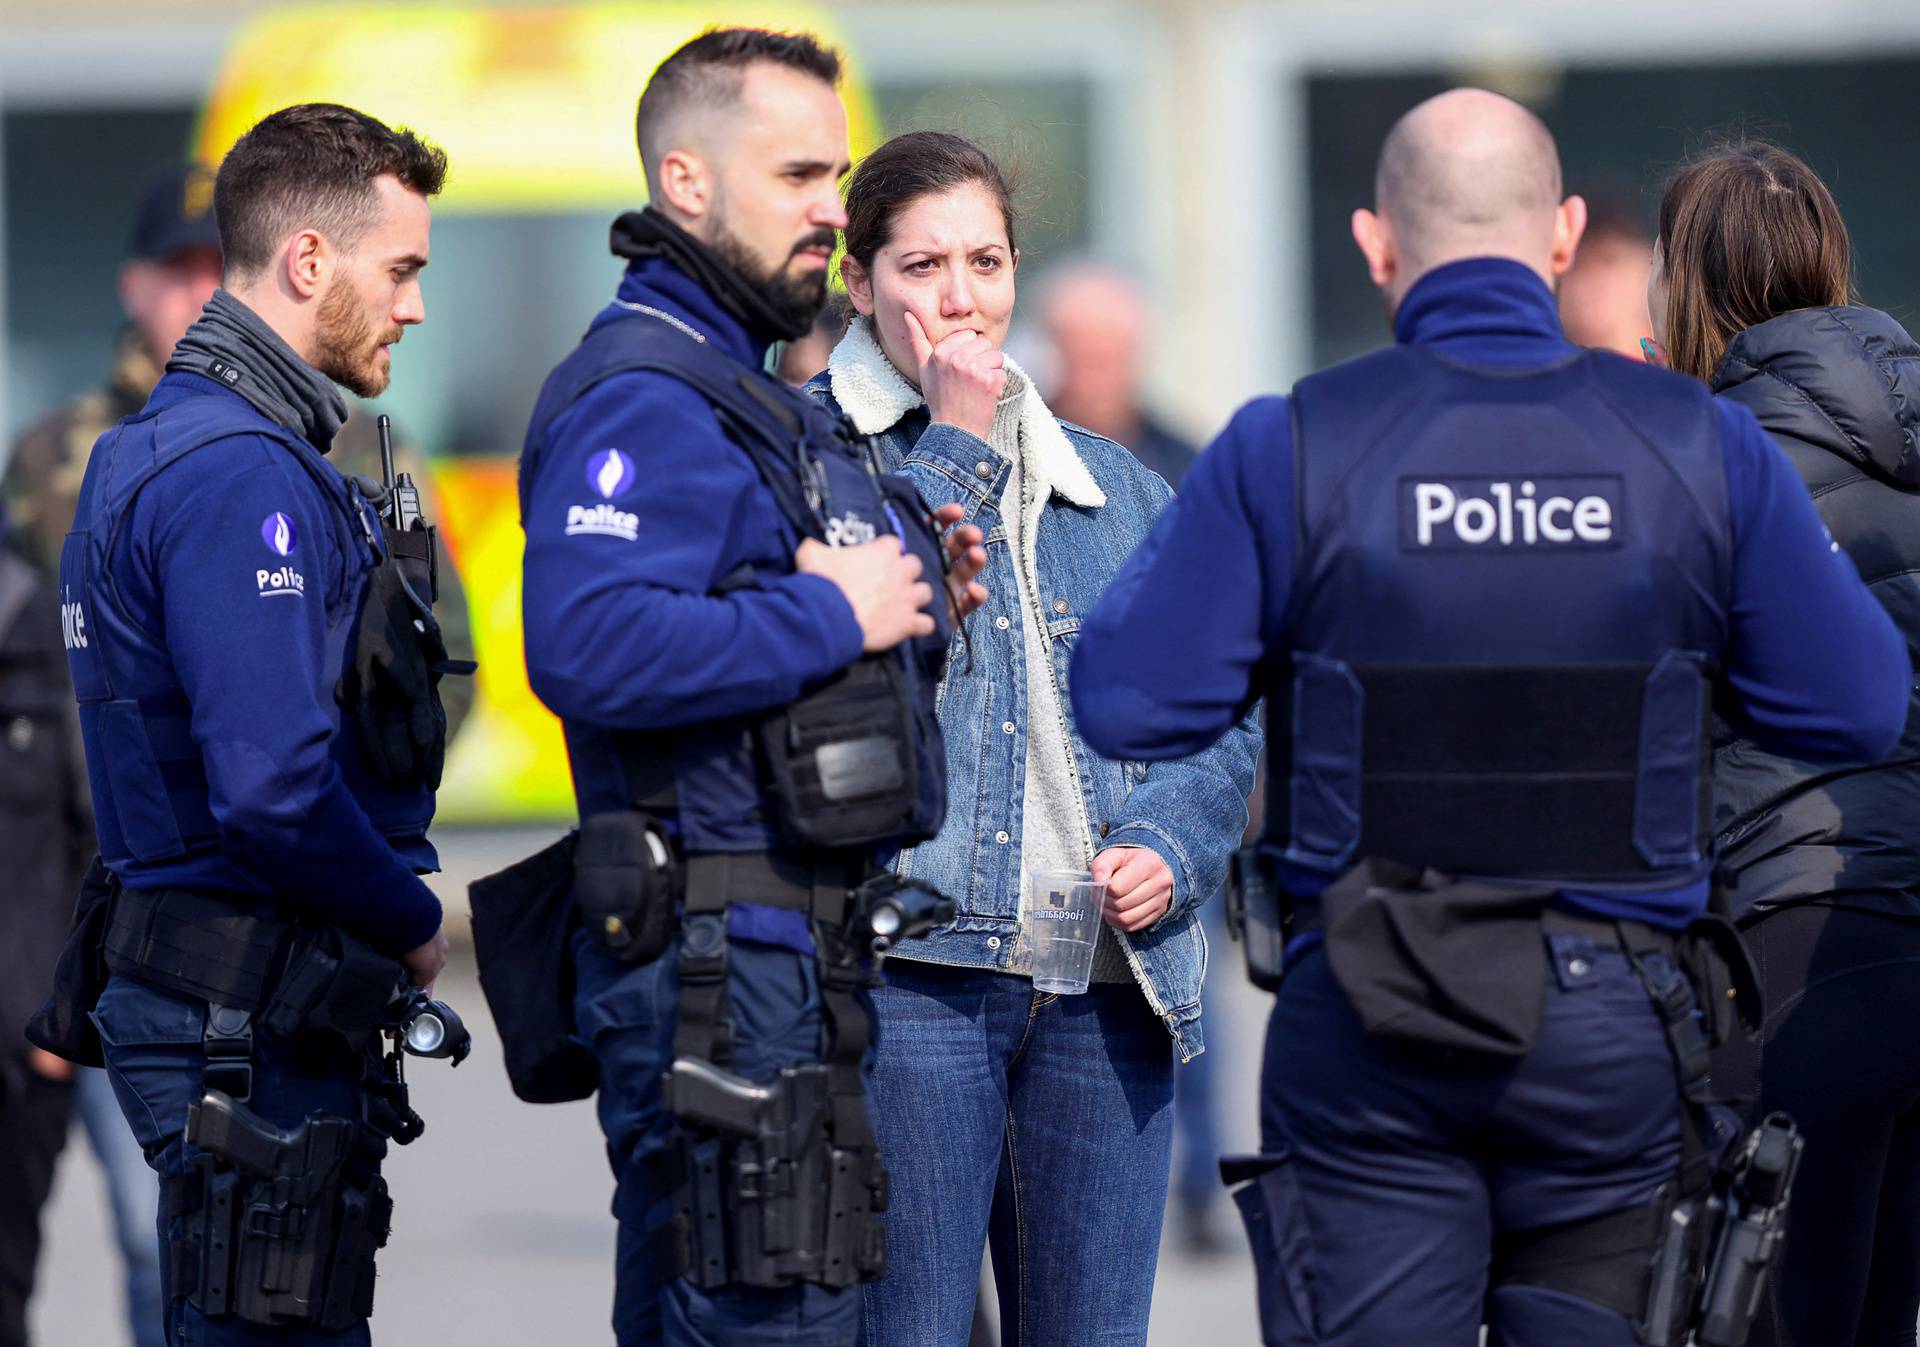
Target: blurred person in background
[1052, 1113]
[1753, 293]
[805, 356]
[1095, 318]
[1603, 296]
[172, 268]
[46, 836]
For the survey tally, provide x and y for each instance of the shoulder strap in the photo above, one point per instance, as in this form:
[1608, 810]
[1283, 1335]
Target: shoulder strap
[771, 432]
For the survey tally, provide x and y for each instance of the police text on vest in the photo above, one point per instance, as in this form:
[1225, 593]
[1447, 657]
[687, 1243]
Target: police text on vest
[1471, 513]
[73, 624]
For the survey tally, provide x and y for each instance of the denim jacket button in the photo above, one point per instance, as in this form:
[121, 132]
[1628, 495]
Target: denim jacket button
[1003, 837]
[1006, 727]
[983, 470]
[993, 942]
[1061, 606]
[1002, 623]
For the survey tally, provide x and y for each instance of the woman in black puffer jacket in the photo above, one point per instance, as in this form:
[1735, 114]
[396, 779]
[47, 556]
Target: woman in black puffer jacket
[1751, 292]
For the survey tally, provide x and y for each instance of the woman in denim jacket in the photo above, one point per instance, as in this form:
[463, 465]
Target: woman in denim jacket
[1039, 1123]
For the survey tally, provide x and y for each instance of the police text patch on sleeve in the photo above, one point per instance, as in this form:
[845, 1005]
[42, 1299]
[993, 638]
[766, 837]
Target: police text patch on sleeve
[1518, 514]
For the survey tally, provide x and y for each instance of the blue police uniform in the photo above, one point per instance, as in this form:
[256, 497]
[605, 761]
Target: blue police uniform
[209, 591]
[662, 607]
[1482, 496]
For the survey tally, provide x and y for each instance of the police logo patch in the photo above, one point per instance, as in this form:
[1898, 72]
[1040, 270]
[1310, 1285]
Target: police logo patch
[1516, 515]
[610, 473]
[276, 530]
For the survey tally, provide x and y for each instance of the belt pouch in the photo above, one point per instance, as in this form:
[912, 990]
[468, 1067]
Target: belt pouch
[523, 924]
[335, 981]
[1429, 961]
[63, 1025]
[841, 762]
[626, 884]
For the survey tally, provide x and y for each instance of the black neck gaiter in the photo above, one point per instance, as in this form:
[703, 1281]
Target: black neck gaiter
[648, 233]
[231, 344]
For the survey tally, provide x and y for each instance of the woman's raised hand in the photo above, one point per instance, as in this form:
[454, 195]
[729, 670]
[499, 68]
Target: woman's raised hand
[961, 378]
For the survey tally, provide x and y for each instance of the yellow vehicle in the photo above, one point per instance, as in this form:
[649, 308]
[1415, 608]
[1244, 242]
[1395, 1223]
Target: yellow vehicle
[535, 109]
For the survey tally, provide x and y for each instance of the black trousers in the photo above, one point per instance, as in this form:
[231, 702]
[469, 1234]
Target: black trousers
[1841, 1054]
[33, 1128]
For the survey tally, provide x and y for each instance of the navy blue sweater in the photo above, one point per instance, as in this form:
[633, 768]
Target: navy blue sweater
[1815, 667]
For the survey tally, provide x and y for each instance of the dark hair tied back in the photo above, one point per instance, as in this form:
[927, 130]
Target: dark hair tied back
[911, 166]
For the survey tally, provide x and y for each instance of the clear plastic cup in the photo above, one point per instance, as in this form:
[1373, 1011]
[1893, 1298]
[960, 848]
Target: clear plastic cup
[1061, 927]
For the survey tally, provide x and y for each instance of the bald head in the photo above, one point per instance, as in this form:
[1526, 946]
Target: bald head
[1469, 174]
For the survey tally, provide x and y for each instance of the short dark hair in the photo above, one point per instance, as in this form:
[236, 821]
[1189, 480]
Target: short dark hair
[312, 166]
[911, 166]
[710, 69]
[1747, 232]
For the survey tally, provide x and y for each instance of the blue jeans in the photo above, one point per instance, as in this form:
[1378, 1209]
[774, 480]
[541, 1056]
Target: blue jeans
[1389, 1172]
[1040, 1125]
[154, 1059]
[627, 1016]
[131, 1195]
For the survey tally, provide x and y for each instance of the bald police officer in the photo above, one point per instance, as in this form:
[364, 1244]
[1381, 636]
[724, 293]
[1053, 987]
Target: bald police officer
[1490, 580]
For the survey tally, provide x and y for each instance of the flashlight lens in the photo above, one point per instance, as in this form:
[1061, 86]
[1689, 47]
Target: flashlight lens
[425, 1033]
[886, 919]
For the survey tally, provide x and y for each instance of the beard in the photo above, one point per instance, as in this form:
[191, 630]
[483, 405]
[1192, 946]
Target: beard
[795, 299]
[344, 346]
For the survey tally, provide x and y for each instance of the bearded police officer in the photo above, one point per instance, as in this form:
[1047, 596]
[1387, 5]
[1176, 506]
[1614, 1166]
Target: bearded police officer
[741, 622]
[254, 653]
[1490, 580]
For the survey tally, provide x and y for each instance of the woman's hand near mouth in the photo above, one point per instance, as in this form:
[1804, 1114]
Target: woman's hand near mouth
[962, 376]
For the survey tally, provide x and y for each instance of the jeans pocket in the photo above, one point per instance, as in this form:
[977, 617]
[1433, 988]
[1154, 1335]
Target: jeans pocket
[151, 1041]
[1283, 1258]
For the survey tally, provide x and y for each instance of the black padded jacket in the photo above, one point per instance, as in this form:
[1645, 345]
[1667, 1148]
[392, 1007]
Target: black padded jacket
[46, 820]
[1838, 389]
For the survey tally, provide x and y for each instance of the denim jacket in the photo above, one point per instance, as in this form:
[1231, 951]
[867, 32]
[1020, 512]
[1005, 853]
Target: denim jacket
[1191, 811]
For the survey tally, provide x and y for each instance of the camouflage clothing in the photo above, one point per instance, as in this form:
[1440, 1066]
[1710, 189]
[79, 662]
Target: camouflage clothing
[42, 485]
[42, 482]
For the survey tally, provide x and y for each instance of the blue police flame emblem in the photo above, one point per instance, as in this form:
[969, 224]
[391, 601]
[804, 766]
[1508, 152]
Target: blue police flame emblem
[276, 530]
[609, 473]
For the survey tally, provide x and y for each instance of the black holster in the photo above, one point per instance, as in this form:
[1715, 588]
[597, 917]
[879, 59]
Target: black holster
[1259, 915]
[282, 1224]
[390, 687]
[769, 1192]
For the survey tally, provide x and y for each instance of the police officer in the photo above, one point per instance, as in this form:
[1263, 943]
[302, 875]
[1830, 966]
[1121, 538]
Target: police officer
[171, 270]
[740, 622]
[1490, 580]
[255, 674]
